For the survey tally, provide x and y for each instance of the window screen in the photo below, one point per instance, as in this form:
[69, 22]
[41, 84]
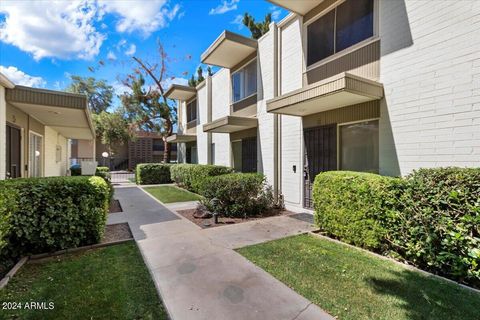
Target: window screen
[354, 23]
[192, 111]
[348, 24]
[320, 38]
[359, 146]
[244, 82]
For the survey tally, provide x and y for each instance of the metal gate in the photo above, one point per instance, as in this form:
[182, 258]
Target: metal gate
[320, 155]
[249, 154]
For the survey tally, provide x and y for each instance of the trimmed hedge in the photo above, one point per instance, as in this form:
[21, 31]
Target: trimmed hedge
[430, 219]
[238, 194]
[48, 214]
[153, 173]
[189, 175]
[354, 206]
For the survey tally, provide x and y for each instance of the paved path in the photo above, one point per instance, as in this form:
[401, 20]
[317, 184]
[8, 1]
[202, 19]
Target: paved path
[198, 274]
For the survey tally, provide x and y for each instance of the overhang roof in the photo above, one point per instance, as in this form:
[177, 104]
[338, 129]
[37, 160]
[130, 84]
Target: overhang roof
[339, 91]
[179, 92]
[5, 82]
[230, 124]
[229, 49]
[179, 138]
[298, 6]
[66, 113]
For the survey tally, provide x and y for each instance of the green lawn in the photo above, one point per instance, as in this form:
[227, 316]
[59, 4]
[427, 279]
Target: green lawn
[168, 194]
[104, 283]
[352, 284]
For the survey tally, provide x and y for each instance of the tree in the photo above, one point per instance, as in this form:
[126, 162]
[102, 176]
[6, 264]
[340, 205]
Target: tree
[257, 29]
[99, 92]
[112, 129]
[146, 106]
[192, 82]
[209, 71]
[200, 77]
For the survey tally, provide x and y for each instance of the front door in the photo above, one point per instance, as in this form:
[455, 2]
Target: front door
[320, 156]
[249, 155]
[13, 154]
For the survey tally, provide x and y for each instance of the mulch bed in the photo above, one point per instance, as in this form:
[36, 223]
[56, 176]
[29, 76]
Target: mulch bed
[115, 206]
[225, 221]
[116, 232]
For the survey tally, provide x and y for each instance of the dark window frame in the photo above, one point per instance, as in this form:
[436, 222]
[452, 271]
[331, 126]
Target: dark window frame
[191, 109]
[314, 62]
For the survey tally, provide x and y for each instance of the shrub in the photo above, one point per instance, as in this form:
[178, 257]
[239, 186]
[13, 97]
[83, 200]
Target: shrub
[439, 227]
[153, 173]
[48, 214]
[354, 206]
[238, 194]
[189, 176]
[430, 219]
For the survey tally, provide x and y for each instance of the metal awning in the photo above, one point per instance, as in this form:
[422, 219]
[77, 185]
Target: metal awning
[230, 124]
[339, 91]
[179, 92]
[229, 49]
[66, 113]
[298, 6]
[180, 138]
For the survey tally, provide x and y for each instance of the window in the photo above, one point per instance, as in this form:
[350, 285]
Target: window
[35, 155]
[244, 82]
[158, 145]
[359, 146]
[348, 24]
[192, 111]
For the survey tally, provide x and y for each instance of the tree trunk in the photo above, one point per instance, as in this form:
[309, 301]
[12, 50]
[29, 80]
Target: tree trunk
[166, 149]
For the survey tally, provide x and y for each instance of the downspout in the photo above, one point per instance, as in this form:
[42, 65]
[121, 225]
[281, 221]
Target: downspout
[209, 118]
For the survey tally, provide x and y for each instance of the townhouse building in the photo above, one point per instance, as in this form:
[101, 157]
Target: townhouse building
[378, 86]
[36, 128]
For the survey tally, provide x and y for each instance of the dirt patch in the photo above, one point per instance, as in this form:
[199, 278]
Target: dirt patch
[115, 206]
[116, 232]
[225, 221]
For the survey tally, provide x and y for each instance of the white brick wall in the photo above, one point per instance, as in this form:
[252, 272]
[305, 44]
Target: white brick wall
[3, 145]
[202, 140]
[430, 69]
[265, 138]
[291, 127]
[221, 108]
[51, 140]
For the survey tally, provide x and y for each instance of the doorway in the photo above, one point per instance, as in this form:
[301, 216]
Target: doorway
[320, 155]
[13, 152]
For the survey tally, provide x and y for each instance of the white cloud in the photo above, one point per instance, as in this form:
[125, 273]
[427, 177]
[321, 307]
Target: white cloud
[238, 21]
[275, 13]
[111, 55]
[21, 78]
[146, 17]
[225, 6]
[120, 88]
[63, 29]
[174, 80]
[131, 50]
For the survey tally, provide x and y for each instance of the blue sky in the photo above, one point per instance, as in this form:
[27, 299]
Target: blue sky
[43, 42]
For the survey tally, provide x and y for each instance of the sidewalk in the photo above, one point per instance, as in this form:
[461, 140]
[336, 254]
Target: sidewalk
[197, 273]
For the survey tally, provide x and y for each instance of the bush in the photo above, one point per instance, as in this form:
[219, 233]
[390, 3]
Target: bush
[438, 228]
[189, 176]
[153, 173]
[354, 206]
[430, 219]
[48, 214]
[238, 194]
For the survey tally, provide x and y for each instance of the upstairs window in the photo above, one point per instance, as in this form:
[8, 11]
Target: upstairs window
[244, 82]
[192, 110]
[346, 25]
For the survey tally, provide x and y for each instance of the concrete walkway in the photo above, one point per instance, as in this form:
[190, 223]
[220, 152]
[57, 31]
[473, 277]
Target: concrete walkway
[197, 273]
